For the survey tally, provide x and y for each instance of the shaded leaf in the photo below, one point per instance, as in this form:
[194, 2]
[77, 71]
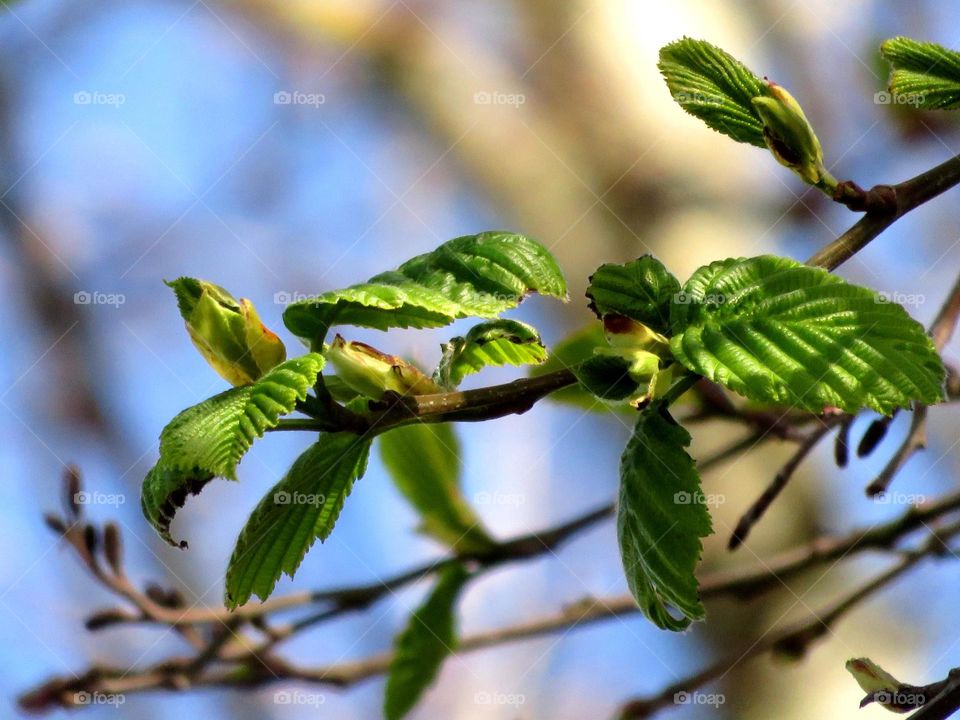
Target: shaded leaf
[642, 290]
[298, 510]
[661, 517]
[419, 651]
[424, 462]
[567, 354]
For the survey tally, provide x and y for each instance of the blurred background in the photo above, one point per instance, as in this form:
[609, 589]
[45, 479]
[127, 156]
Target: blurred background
[296, 147]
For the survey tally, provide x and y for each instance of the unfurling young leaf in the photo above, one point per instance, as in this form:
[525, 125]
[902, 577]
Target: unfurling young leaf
[925, 75]
[790, 137]
[633, 302]
[777, 331]
[883, 688]
[372, 373]
[661, 517]
[641, 290]
[717, 88]
[298, 510]
[472, 276]
[496, 342]
[569, 353]
[712, 85]
[209, 439]
[424, 462]
[419, 651]
[227, 332]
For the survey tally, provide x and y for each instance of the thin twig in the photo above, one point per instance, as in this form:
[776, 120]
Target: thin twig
[752, 516]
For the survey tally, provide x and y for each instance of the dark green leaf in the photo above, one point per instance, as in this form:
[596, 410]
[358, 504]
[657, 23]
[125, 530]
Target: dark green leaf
[661, 517]
[607, 377]
[299, 509]
[422, 647]
[642, 290]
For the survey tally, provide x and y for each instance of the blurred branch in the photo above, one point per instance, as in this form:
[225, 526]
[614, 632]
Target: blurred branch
[792, 640]
[220, 638]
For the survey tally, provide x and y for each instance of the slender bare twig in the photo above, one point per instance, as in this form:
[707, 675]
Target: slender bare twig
[794, 639]
[752, 516]
[252, 664]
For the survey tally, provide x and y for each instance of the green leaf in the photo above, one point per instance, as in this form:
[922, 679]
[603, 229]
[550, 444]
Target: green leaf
[642, 290]
[661, 518]
[568, 353]
[299, 509]
[209, 439]
[424, 462]
[925, 75]
[777, 331]
[419, 651]
[496, 342]
[607, 377]
[476, 275]
[712, 85]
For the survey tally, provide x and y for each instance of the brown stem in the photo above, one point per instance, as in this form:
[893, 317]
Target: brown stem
[907, 196]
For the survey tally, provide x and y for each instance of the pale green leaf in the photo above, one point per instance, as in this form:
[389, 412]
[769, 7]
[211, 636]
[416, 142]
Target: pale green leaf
[642, 290]
[472, 276]
[712, 85]
[925, 75]
[424, 462]
[496, 342]
[419, 651]
[298, 510]
[661, 518]
[209, 439]
[777, 331]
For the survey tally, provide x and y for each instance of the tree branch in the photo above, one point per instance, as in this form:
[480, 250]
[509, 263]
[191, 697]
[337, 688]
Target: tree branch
[906, 196]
